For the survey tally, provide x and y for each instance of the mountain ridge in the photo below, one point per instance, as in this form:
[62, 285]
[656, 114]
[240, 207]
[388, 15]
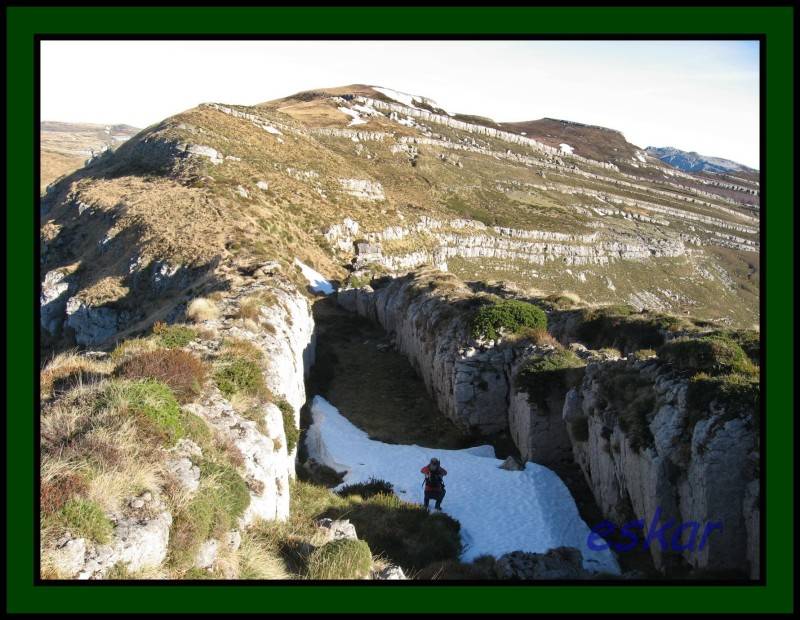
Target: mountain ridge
[692, 161]
[349, 179]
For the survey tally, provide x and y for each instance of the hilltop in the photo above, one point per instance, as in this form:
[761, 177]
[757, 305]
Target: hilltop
[369, 180]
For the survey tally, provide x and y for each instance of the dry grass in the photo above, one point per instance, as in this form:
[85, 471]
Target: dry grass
[255, 560]
[340, 559]
[202, 309]
[536, 335]
[69, 370]
[182, 371]
[104, 445]
[94, 453]
[250, 307]
[238, 347]
[133, 346]
[104, 291]
[55, 165]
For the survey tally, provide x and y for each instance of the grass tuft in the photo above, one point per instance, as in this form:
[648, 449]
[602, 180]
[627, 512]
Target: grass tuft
[340, 559]
[173, 336]
[153, 402]
[202, 309]
[213, 510]
[550, 373]
[368, 489]
[714, 354]
[289, 428]
[236, 374]
[84, 518]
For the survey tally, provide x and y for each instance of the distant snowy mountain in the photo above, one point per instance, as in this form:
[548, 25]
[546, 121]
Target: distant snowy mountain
[694, 162]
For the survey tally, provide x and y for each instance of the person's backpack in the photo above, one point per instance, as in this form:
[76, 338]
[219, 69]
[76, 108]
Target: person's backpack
[435, 479]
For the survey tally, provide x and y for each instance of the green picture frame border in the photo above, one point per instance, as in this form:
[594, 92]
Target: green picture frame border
[25, 23]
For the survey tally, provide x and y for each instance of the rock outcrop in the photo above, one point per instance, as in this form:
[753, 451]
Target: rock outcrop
[363, 189]
[53, 300]
[284, 333]
[652, 458]
[92, 325]
[139, 541]
[558, 563]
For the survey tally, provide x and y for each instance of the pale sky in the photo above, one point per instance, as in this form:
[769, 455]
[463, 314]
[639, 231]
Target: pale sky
[694, 95]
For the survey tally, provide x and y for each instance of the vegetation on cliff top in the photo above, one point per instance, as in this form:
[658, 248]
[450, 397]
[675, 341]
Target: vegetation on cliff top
[508, 315]
[716, 354]
[553, 372]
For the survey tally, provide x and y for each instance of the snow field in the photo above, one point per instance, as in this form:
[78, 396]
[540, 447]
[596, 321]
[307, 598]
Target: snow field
[500, 511]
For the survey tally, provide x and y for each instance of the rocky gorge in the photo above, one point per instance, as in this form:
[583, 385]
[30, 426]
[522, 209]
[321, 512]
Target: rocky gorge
[577, 419]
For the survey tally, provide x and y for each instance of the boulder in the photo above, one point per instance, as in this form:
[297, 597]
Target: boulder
[390, 573]
[53, 301]
[512, 464]
[138, 542]
[233, 539]
[558, 563]
[206, 554]
[183, 465]
[69, 556]
[336, 529]
[92, 325]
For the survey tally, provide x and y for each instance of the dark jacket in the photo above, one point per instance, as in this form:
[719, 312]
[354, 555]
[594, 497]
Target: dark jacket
[434, 482]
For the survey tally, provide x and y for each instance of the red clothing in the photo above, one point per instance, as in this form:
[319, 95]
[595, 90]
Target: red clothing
[431, 487]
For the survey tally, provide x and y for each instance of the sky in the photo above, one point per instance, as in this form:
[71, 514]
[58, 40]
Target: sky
[694, 95]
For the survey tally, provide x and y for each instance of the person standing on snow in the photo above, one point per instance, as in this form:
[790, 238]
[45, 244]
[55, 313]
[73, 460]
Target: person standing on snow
[434, 483]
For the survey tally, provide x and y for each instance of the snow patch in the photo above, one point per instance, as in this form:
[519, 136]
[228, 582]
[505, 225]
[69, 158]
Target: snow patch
[566, 148]
[500, 511]
[403, 98]
[357, 120]
[317, 282]
[410, 100]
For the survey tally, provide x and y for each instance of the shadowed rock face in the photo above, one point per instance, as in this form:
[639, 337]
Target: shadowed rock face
[470, 386]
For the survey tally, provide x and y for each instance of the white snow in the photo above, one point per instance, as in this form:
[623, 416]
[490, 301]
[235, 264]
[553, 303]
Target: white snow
[272, 130]
[357, 120]
[409, 100]
[640, 157]
[317, 281]
[366, 109]
[500, 511]
[403, 98]
[566, 148]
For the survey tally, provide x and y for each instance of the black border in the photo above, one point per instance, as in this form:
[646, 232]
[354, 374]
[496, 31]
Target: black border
[666, 581]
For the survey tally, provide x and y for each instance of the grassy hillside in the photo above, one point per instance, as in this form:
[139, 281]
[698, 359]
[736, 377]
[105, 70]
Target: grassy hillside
[225, 184]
